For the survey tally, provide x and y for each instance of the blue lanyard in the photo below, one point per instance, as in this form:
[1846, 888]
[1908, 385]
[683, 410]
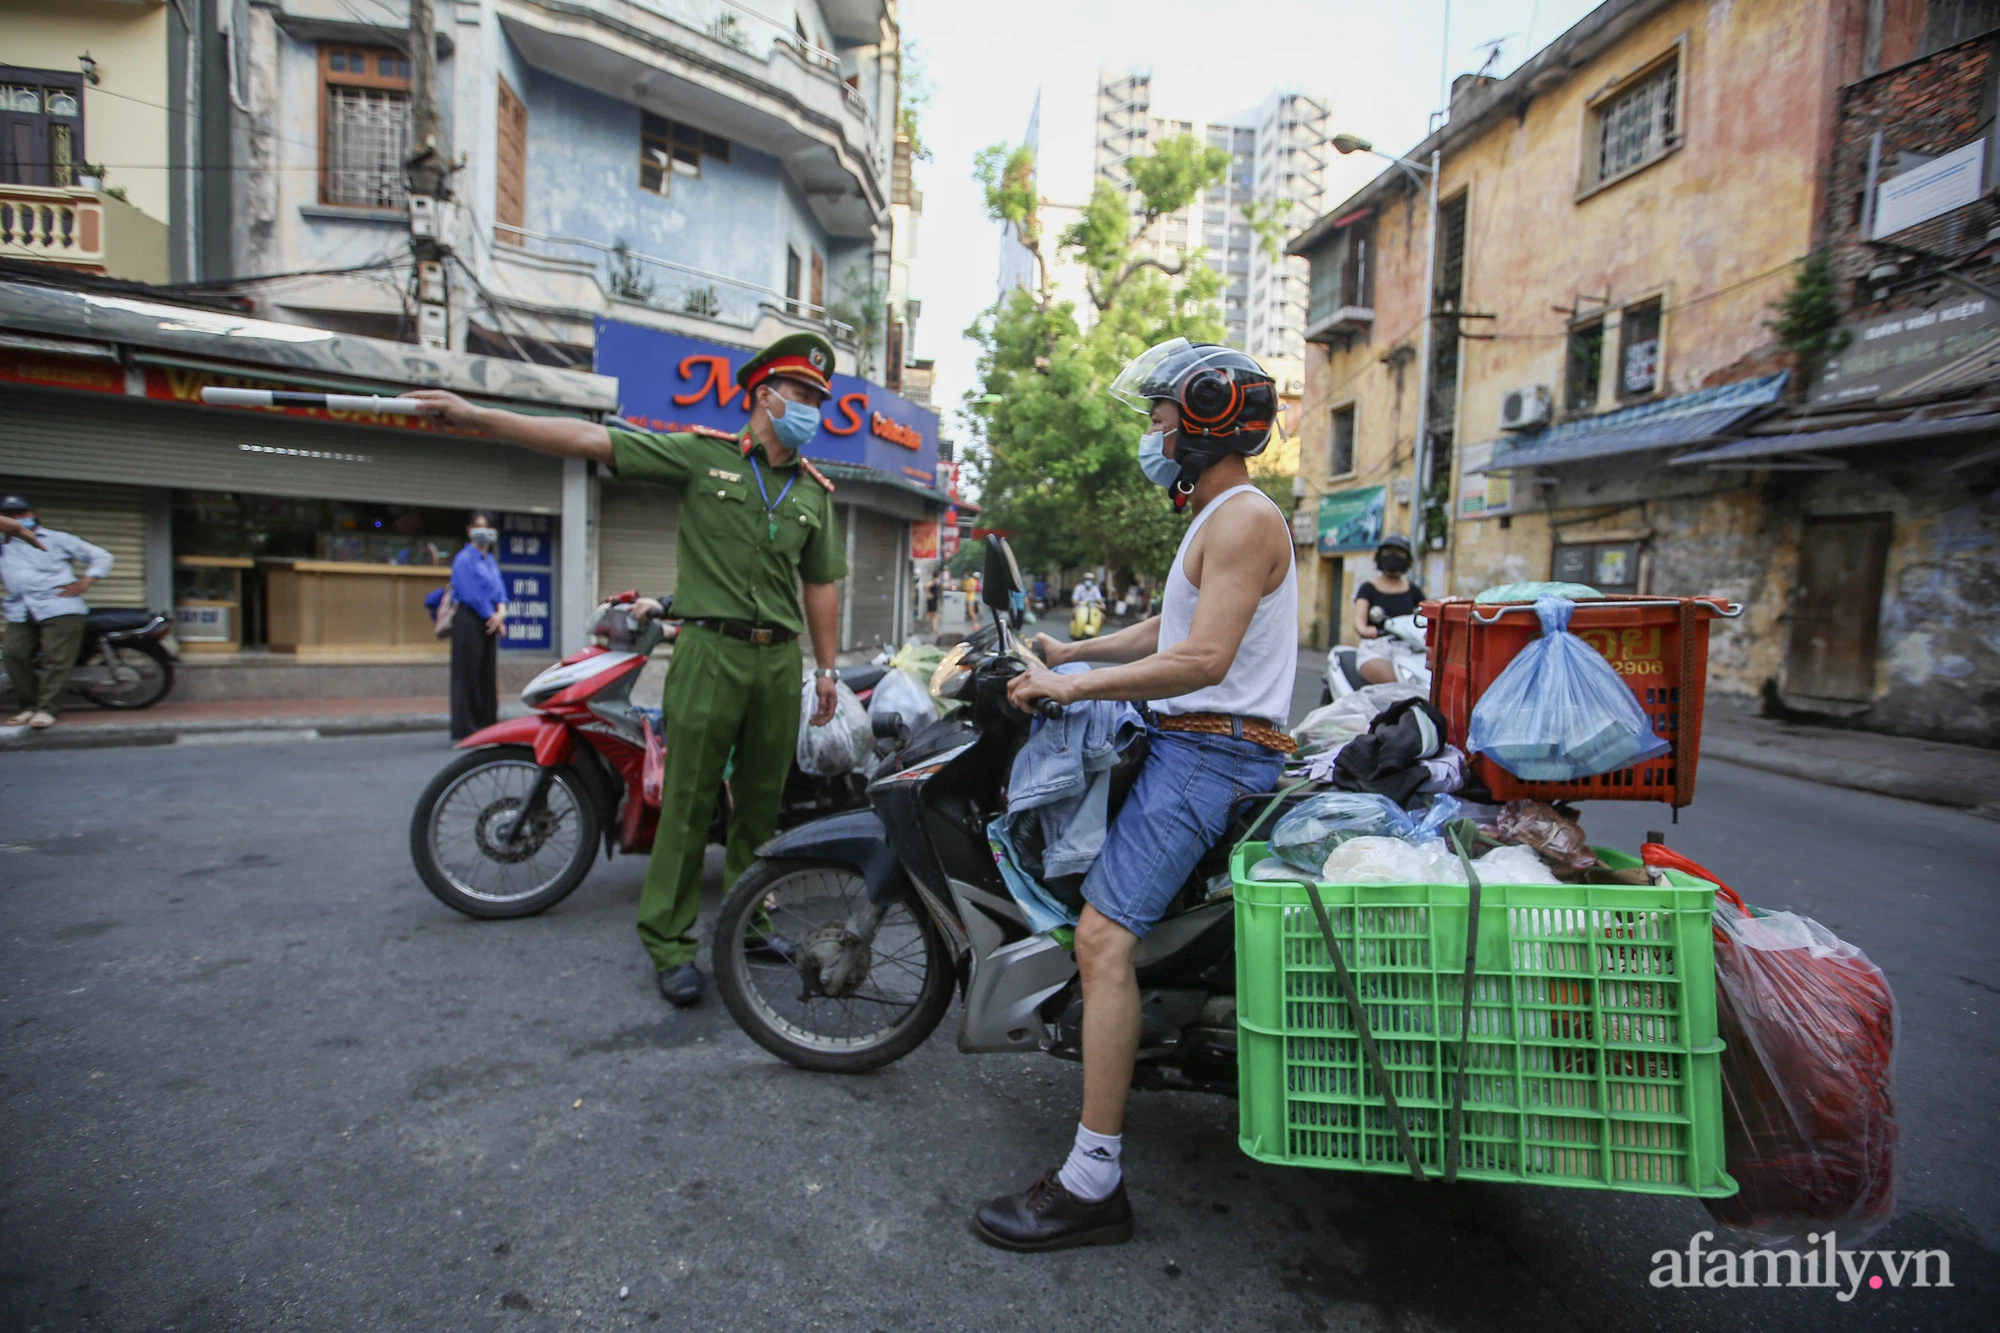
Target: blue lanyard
[771, 510]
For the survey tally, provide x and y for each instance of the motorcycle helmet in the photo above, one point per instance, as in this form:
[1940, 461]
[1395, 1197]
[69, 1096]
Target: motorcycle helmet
[1227, 402]
[1396, 542]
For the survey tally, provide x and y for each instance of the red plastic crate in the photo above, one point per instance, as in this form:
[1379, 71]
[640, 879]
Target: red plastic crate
[1658, 646]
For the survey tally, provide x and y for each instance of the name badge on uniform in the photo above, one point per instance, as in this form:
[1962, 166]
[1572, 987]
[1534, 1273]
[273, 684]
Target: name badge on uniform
[725, 476]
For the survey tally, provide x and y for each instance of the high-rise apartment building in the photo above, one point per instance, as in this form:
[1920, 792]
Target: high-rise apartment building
[1277, 154]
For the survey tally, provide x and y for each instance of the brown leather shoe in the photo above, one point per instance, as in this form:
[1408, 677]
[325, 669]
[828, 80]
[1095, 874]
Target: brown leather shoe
[1045, 1216]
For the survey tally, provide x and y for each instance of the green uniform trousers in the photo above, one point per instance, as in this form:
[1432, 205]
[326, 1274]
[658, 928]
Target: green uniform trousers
[721, 694]
[58, 637]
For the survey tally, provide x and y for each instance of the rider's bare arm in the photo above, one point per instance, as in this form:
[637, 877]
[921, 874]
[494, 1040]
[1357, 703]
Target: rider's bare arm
[1361, 625]
[1127, 645]
[565, 437]
[1246, 553]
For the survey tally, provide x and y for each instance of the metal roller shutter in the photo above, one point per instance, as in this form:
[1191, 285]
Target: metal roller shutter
[113, 517]
[135, 440]
[636, 530]
[872, 583]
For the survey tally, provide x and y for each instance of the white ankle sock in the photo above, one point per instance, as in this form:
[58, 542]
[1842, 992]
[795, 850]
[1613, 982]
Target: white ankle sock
[1092, 1171]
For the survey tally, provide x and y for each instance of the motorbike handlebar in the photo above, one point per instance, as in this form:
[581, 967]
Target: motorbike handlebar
[1049, 709]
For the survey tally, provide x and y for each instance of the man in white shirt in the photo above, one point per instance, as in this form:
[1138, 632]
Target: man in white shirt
[46, 575]
[1087, 592]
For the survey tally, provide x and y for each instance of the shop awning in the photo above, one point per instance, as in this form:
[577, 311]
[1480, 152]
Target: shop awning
[1690, 418]
[294, 350]
[839, 472]
[1803, 448]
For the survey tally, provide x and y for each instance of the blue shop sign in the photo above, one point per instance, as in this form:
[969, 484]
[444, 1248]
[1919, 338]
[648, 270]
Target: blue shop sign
[526, 540]
[528, 610]
[667, 382]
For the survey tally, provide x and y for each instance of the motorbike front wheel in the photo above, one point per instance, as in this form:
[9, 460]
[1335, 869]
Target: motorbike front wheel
[139, 675]
[892, 990]
[459, 834]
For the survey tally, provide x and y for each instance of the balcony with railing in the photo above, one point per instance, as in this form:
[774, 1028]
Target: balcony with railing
[85, 231]
[733, 69]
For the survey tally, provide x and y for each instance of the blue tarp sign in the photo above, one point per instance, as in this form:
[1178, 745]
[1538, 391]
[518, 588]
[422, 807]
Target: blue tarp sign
[668, 382]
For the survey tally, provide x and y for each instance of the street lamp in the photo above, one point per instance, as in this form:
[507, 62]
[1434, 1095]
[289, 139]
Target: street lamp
[1418, 173]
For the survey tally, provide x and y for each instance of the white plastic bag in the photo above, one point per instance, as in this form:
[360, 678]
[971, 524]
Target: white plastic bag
[1513, 865]
[1331, 726]
[1378, 860]
[900, 692]
[843, 744]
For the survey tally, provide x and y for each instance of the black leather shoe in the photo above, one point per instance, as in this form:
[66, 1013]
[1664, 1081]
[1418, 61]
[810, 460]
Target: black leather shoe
[681, 985]
[1045, 1216]
[771, 946]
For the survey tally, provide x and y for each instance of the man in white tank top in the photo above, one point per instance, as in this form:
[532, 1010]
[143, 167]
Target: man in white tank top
[1217, 664]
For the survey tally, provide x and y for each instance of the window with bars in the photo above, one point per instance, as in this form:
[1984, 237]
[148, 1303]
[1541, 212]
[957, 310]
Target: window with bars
[1340, 445]
[364, 127]
[41, 126]
[1637, 126]
[667, 148]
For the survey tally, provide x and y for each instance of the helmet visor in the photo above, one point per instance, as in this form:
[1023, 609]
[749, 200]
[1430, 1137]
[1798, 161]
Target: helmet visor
[1142, 372]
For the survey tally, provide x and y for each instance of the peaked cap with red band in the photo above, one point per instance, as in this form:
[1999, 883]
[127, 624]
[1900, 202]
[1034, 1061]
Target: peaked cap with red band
[805, 357]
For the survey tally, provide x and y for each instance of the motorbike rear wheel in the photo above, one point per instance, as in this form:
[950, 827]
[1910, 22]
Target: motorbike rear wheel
[457, 834]
[143, 675]
[905, 991]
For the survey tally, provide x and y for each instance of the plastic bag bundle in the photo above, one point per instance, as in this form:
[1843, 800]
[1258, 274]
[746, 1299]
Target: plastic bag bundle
[1331, 726]
[1543, 828]
[1513, 865]
[1559, 712]
[1528, 592]
[1808, 1102]
[844, 743]
[902, 693]
[1316, 826]
[1388, 860]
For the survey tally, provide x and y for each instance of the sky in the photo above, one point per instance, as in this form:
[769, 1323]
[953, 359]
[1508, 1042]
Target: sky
[1378, 61]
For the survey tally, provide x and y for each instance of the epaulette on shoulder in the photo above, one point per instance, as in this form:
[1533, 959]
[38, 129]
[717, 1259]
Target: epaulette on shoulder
[712, 433]
[816, 474]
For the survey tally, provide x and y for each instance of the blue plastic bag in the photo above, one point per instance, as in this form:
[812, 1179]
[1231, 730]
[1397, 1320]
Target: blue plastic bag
[1559, 712]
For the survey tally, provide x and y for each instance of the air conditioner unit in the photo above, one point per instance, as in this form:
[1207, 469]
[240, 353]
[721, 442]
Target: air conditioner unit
[1526, 408]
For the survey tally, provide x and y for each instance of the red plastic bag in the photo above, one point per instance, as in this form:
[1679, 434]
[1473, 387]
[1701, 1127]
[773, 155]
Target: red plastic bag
[653, 769]
[1808, 1105]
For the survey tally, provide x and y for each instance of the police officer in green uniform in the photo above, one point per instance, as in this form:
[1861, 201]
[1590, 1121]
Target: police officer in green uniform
[759, 555]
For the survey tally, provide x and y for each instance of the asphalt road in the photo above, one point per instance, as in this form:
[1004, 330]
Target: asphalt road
[255, 1077]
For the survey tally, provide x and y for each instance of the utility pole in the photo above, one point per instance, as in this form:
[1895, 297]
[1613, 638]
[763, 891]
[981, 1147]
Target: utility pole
[429, 175]
[1419, 539]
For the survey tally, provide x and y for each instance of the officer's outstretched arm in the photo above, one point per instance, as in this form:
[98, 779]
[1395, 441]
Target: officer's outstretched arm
[565, 437]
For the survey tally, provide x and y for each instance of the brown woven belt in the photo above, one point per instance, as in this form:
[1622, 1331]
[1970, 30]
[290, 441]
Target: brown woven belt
[1228, 724]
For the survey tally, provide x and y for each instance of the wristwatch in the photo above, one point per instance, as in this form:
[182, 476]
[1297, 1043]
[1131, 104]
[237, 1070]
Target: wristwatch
[826, 673]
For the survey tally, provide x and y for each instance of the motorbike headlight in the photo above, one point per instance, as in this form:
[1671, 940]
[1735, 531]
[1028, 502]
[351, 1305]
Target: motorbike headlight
[948, 681]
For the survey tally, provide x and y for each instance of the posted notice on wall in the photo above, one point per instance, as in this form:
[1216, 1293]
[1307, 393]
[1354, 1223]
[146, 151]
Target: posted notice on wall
[1928, 191]
[1482, 494]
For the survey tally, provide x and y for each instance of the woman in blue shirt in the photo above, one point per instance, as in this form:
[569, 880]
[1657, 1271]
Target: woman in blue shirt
[481, 595]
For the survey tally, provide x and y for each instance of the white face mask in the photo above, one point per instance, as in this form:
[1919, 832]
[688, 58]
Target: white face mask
[485, 537]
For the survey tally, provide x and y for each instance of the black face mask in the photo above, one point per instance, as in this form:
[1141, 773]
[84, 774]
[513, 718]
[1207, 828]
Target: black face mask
[1392, 562]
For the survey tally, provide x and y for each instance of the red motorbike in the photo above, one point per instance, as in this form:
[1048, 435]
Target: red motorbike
[512, 826]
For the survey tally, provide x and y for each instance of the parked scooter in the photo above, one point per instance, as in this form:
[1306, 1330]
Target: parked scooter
[1408, 654]
[512, 826]
[126, 659]
[899, 906]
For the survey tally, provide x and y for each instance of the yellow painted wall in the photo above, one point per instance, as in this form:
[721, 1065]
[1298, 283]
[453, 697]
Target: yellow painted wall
[125, 121]
[1711, 228]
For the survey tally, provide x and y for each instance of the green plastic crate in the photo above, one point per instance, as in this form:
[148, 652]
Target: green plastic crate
[1594, 1060]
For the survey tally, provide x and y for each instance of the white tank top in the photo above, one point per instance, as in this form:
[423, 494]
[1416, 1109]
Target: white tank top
[1259, 683]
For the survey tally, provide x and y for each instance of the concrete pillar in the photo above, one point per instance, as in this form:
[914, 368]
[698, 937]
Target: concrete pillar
[575, 593]
[846, 639]
[159, 549]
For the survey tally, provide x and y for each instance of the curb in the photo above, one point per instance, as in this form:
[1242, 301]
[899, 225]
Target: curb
[1840, 773]
[217, 731]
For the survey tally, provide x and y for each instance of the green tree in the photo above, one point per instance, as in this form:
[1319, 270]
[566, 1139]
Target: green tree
[1059, 465]
[1808, 318]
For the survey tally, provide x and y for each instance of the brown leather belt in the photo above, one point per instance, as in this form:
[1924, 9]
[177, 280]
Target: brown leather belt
[1252, 729]
[749, 633]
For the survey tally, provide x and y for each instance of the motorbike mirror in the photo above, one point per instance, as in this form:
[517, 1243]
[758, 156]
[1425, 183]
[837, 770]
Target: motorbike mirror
[1000, 578]
[887, 726]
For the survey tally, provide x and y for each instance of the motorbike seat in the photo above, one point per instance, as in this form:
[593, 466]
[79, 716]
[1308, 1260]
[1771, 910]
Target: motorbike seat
[1350, 667]
[863, 677]
[111, 620]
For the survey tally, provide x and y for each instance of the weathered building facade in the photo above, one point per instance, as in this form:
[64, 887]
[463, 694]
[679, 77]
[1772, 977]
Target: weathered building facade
[1617, 222]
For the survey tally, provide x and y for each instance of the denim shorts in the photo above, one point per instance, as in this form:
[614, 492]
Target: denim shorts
[1179, 807]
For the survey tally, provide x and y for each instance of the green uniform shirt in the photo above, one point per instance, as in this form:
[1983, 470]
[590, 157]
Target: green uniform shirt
[732, 566]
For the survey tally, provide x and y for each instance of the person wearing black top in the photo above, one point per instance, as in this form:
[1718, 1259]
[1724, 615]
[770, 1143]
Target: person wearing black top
[1392, 594]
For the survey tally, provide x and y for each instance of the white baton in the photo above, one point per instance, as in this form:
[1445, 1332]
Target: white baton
[337, 402]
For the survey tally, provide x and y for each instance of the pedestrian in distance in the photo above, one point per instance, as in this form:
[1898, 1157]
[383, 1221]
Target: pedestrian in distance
[480, 594]
[1217, 664]
[933, 595]
[760, 555]
[46, 573]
